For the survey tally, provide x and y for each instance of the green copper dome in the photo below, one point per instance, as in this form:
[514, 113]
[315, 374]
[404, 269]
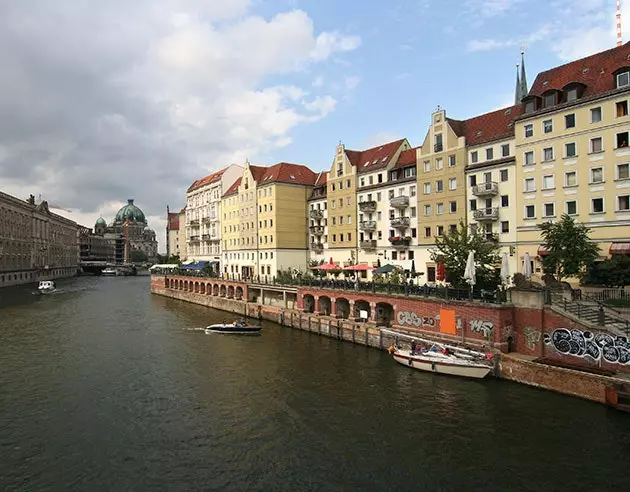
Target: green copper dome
[130, 212]
[101, 222]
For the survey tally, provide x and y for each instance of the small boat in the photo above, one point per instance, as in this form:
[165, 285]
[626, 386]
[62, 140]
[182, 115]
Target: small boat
[238, 327]
[432, 356]
[46, 287]
[109, 271]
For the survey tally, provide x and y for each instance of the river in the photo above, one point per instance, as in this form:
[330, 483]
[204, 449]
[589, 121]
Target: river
[104, 386]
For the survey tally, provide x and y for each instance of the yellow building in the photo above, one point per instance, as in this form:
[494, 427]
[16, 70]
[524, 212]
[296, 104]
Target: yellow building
[572, 153]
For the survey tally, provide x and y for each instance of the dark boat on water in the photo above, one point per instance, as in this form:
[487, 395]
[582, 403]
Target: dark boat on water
[237, 328]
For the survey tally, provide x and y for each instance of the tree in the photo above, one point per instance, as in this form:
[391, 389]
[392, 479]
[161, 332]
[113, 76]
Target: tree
[138, 256]
[614, 272]
[569, 248]
[453, 249]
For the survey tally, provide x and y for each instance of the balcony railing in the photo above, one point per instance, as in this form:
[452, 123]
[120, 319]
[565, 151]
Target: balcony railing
[399, 201]
[400, 222]
[369, 206]
[317, 230]
[400, 242]
[368, 225]
[317, 247]
[486, 214]
[368, 244]
[316, 214]
[194, 239]
[486, 189]
[193, 221]
[438, 147]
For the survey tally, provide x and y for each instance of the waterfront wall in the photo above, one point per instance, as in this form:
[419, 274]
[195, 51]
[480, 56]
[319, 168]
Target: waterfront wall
[20, 277]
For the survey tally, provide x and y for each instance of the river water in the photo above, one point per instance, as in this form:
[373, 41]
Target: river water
[104, 386]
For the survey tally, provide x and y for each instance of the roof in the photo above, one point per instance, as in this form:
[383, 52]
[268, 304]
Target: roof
[322, 179]
[488, 127]
[233, 189]
[211, 178]
[457, 126]
[595, 71]
[285, 172]
[374, 158]
[407, 158]
[257, 171]
[173, 221]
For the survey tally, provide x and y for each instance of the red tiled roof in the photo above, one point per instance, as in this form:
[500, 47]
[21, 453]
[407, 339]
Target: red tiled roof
[211, 178]
[233, 189]
[595, 71]
[285, 172]
[492, 126]
[257, 171]
[457, 126]
[322, 179]
[372, 159]
[407, 158]
[173, 221]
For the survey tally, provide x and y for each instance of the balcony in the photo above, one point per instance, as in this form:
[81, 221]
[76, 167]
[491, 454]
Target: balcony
[317, 230]
[317, 247]
[368, 225]
[193, 222]
[491, 238]
[400, 222]
[399, 201]
[486, 214]
[316, 214]
[438, 147]
[369, 206]
[400, 242]
[489, 188]
[369, 244]
[194, 239]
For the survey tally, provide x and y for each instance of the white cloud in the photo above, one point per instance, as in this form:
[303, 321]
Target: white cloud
[351, 82]
[318, 82]
[378, 139]
[322, 105]
[489, 44]
[328, 43]
[486, 9]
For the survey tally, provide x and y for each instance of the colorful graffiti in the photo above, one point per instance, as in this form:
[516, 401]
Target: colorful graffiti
[597, 346]
[481, 326]
[412, 319]
[532, 337]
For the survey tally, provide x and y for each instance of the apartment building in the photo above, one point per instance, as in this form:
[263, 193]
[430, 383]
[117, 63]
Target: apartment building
[203, 214]
[491, 178]
[318, 219]
[441, 186]
[572, 153]
[174, 246]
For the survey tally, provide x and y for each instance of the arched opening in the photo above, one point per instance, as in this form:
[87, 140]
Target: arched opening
[223, 291]
[215, 290]
[308, 301]
[202, 288]
[230, 292]
[510, 344]
[186, 285]
[181, 285]
[362, 310]
[324, 305]
[384, 314]
[196, 287]
[239, 293]
[342, 308]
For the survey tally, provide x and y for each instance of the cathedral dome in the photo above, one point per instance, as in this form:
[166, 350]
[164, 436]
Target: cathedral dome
[100, 222]
[130, 212]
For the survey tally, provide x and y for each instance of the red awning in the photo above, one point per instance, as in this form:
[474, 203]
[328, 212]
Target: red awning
[620, 249]
[542, 251]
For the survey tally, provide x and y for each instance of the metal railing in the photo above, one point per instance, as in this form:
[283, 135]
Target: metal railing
[368, 225]
[490, 213]
[368, 244]
[400, 222]
[400, 201]
[484, 189]
[316, 214]
[593, 312]
[369, 206]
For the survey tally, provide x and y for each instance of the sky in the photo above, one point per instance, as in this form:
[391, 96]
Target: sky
[105, 101]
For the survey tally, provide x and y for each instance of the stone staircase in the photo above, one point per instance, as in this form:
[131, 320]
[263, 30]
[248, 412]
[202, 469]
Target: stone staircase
[593, 313]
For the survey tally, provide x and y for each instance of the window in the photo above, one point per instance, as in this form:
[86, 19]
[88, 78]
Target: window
[623, 171]
[548, 154]
[426, 188]
[362, 182]
[439, 231]
[474, 157]
[503, 175]
[597, 205]
[529, 158]
[452, 183]
[571, 207]
[530, 211]
[622, 108]
[452, 161]
[393, 175]
[427, 166]
[453, 228]
[529, 131]
[473, 204]
[530, 184]
[453, 207]
[427, 232]
[623, 79]
[439, 186]
[439, 164]
[570, 178]
[550, 100]
[572, 94]
[505, 226]
[505, 201]
[622, 140]
[412, 191]
[548, 182]
[489, 154]
[380, 178]
[530, 106]
[547, 126]
[569, 120]
[378, 195]
[341, 185]
[596, 145]
[473, 180]
[394, 255]
[438, 143]
[427, 210]
[334, 221]
[411, 257]
[341, 220]
[623, 203]
[410, 172]
[570, 149]
[597, 175]
[349, 236]
[550, 210]
[413, 212]
[439, 209]
[341, 237]
[596, 115]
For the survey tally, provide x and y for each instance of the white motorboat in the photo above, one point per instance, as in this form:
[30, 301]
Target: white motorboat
[237, 328]
[109, 271]
[432, 356]
[46, 287]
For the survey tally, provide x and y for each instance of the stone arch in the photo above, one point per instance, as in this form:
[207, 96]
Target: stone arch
[239, 292]
[361, 306]
[223, 290]
[186, 285]
[230, 291]
[215, 290]
[202, 288]
[325, 304]
[181, 285]
[384, 314]
[308, 302]
[196, 287]
[342, 308]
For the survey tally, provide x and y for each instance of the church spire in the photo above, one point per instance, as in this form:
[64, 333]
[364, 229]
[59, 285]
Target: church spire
[517, 93]
[524, 89]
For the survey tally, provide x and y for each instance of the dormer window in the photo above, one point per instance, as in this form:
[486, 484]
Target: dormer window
[572, 94]
[530, 106]
[623, 79]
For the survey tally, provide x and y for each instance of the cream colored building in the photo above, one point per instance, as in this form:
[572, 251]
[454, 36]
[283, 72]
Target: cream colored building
[176, 233]
[318, 219]
[572, 153]
[35, 243]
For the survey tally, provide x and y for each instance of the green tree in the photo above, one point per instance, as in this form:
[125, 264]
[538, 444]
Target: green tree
[614, 272]
[453, 249]
[138, 256]
[570, 249]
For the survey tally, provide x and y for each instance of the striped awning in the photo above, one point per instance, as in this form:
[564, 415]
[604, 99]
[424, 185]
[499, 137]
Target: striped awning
[620, 249]
[542, 251]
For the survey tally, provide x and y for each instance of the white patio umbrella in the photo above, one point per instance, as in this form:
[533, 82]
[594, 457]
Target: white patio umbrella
[469, 273]
[527, 266]
[505, 270]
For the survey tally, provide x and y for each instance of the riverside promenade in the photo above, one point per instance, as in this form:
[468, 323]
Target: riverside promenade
[535, 343]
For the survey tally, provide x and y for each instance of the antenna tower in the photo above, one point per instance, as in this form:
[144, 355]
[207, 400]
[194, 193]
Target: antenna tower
[618, 17]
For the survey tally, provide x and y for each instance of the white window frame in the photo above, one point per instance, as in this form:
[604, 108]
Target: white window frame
[601, 114]
[452, 181]
[553, 204]
[603, 205]
[425, 187]
[627, 75]
[530, 126]
[525, 211]
[590, 175]
[529, 152]
[474, 157]
[617, 171]
[439, 208]
[566, 207]
[427, 210]
[590, 145]
[543, 154]
[544, 127]
[529, 180]
[566, 182]
[427, 166]
[553, 179]
[439, 164]
[566, 155]
[617, 203]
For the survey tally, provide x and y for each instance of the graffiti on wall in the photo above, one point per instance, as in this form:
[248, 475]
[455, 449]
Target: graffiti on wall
[412, 319]
[532, 337]
[597, 346]
[481, 326]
